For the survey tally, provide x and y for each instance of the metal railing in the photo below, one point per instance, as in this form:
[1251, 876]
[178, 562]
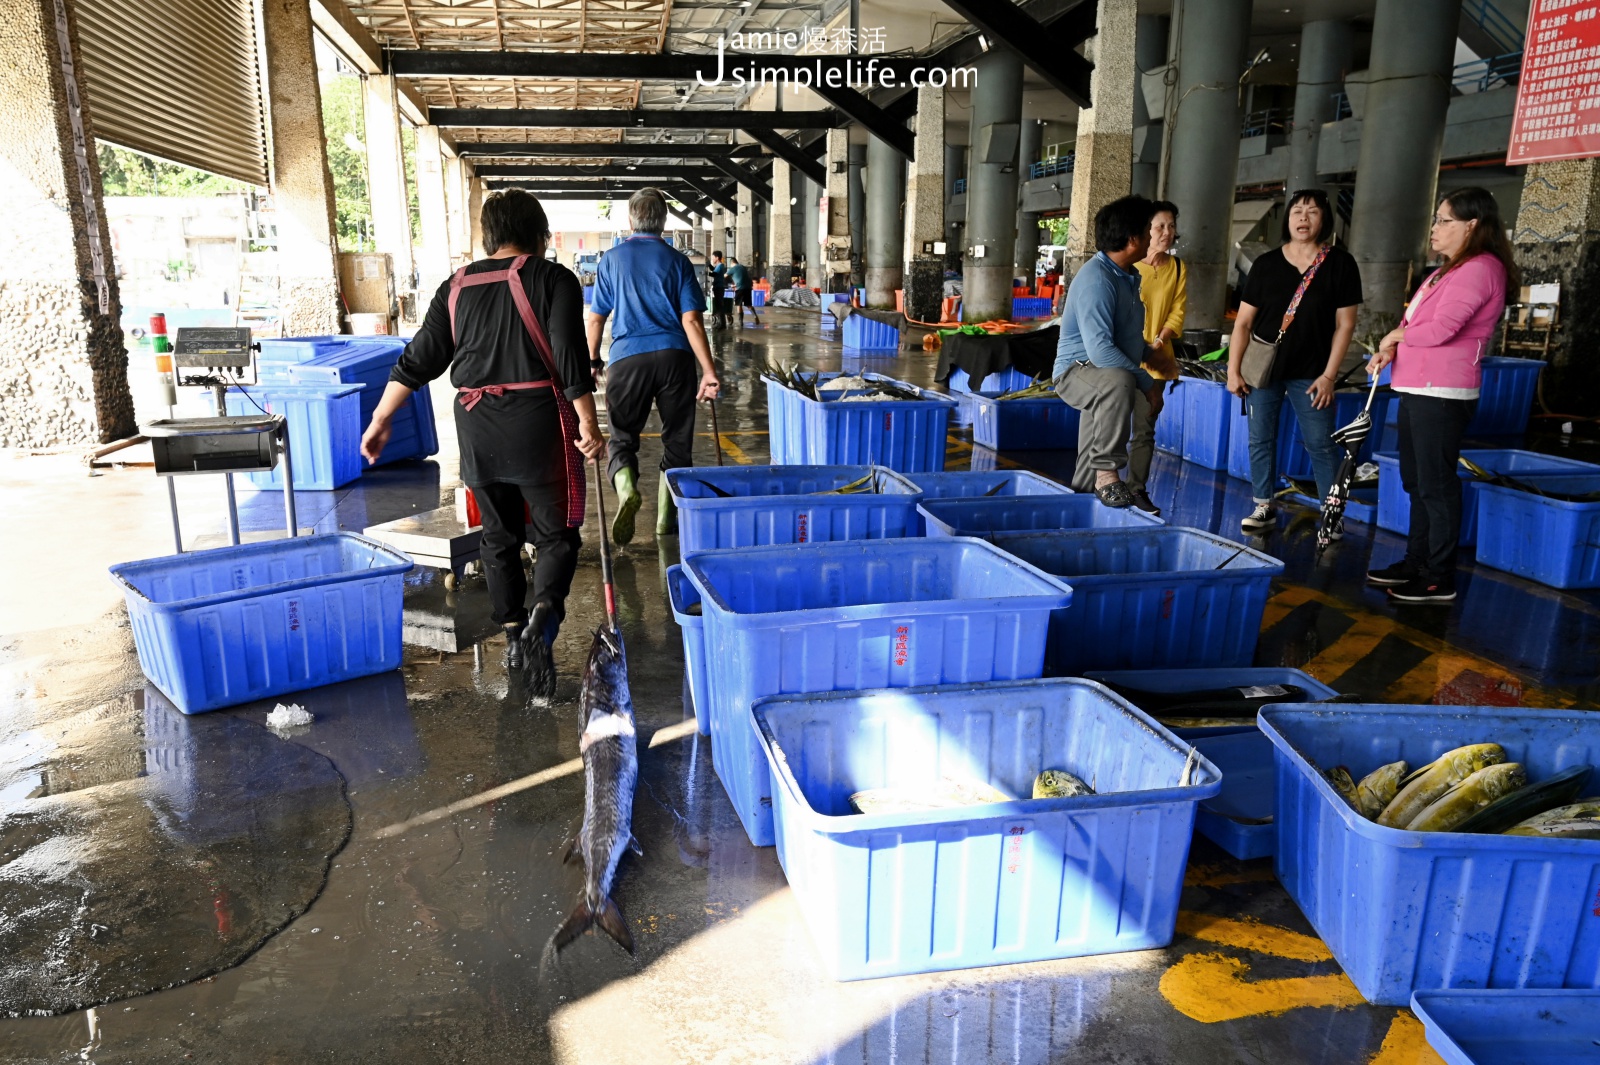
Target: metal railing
[1341, 106]
[1267, 121]
[1481, 75]
[1490, 19]
[1061, 164]
[960, 186]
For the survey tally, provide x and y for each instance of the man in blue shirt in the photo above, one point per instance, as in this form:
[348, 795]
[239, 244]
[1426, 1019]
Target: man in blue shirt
[719, 292]
[743, 290]
[657, 337]
[1097, 368]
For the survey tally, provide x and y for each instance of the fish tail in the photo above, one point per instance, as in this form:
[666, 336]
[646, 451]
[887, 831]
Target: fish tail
[583, 917]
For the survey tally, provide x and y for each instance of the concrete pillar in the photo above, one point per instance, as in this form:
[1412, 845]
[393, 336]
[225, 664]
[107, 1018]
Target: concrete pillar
[1324, 60]
[433, 259]
[386, 176]
[1103, 170]
[1203, 164]
[744, 228]
[455, 194]
[302, 188]
[780, 227]
[858, 215]
[886, 234]
[955, 168]
[475, 194]
[925, 195]
[992, 186]
[837, 222]
[62, 357]
[1149, 52]
[1402, 134]
[810, 199]
[1557, 239]
[1026, 252]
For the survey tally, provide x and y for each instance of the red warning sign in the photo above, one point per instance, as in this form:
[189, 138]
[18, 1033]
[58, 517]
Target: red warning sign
[1558, 99]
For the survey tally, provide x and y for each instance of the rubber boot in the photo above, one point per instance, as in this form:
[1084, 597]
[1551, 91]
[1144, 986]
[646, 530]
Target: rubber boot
[626, 481]
[516, 653]
[538, 639]
[666, 510]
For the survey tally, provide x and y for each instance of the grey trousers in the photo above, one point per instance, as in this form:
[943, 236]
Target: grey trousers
[1142, 445]
[1104, 398]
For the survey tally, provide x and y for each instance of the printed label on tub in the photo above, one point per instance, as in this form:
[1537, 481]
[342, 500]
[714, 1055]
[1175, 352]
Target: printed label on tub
[1264, 691]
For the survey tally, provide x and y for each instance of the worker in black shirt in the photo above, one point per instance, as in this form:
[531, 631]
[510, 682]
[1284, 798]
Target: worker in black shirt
[509, 329]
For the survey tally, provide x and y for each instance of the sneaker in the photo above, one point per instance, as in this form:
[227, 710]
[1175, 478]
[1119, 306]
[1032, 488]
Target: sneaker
[1141, 499]
[1402, 572]
[1424, 590]
[1259, 519]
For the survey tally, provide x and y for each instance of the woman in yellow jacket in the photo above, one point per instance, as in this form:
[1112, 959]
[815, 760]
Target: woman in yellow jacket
[1163, 287]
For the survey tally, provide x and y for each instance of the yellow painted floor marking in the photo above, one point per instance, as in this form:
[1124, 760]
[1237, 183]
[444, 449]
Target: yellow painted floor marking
[734, 451]
[1212, 988]
[1248, 934]
[1423, 682]
[1406, 1044]
[1358, 641]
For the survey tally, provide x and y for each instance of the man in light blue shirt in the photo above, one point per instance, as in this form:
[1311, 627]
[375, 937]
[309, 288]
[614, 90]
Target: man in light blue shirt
[658, 335]
[1097, 368]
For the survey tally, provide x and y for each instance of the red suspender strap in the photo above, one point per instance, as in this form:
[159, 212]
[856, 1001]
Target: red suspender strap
[577, 483]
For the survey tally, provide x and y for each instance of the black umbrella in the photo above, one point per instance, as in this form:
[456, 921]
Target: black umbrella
[1350, 437]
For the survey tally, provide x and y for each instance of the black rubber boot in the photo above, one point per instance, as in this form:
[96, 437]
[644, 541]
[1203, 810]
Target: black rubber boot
[516, 657]
[539, 639]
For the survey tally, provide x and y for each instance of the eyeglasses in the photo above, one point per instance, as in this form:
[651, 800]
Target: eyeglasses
[1444, 221]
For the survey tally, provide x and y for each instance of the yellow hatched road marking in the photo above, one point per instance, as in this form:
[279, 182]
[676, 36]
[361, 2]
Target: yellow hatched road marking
[1211, 988]
[1249, 934]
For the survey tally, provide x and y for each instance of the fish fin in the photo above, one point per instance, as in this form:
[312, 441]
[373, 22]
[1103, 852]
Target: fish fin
[634, 846]
[579, 921]
[612, 922]
[571, 851]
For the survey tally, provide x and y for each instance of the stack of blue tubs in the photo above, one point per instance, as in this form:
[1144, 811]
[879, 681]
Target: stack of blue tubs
[1553, 541]
[1394, 502]
[981, 484]
[366, 361]
[324, 432]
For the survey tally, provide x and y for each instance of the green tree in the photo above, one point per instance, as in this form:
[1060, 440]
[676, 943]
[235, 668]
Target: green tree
[344, 126]
[408, 154]
[1058, 229]
[125, 172]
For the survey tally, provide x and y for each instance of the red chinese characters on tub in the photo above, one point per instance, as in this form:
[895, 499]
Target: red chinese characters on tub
[902, 645]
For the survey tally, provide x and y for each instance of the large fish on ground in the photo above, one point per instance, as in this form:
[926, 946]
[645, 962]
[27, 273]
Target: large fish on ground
[610, 771]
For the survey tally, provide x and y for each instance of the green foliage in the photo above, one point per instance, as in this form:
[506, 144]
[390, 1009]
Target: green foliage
[408, 156]
[125, 172]
[1058, 229]
[344, 127]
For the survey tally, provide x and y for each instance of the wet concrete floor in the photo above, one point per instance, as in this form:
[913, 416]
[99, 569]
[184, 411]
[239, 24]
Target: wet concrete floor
[424, 943]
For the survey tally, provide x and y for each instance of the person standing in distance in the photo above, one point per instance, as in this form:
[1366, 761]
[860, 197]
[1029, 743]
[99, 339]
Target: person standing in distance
[743, 290]
[719, 291]
[657, 338]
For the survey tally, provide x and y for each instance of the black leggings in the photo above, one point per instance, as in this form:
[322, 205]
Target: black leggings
[1430, 445]
[505, 530]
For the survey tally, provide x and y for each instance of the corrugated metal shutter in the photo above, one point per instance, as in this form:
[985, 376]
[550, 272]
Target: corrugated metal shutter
[177, 79]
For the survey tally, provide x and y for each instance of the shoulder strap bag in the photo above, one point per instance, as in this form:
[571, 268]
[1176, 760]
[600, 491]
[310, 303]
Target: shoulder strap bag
[1260, 356]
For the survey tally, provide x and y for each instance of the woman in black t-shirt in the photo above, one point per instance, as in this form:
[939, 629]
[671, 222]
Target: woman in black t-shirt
[1308, 355]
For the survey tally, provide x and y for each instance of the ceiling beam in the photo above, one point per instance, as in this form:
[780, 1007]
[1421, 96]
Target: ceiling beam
[665, 150]
[749, 179]
[640, 172]
[1047, 50]
[567, 194]
[877, 121]
[714, 192]
[352, 40]
[620, 118]
[797, 157]
[704, 70]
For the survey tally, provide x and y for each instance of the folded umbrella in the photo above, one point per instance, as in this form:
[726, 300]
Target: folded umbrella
[1350, 437]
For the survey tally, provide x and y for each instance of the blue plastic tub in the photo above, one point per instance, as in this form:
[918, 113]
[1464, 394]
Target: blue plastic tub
[1022, 424]
[867, 334]
[278, 354]
[785, 505]
[1412, 911]
[1239, 818]
[1547, 540]
[986, 518]
[786, 442]
[1394, 502]
[758, 297]
[1175, 680]
[324, 432]
[1530, 1027]
[367, 362]
[1505, 396]
[1028, 880]
[221, 627]
[1169, 423]
[1008, 380]
[588, 294]
[1023, 307]
[1206, 422]
[905, 435]
[682, 595]
[1150, 597]
[828, 300]
[856, 614]
[1293, 458]
[992, 484]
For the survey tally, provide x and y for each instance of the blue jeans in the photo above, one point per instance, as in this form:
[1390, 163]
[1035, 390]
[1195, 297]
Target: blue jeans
[1316, 431]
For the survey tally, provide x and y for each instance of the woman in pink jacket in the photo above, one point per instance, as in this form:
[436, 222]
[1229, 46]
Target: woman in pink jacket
[1438, 353]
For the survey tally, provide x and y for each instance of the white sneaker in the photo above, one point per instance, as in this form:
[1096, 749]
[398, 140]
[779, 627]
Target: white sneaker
[1263, 517]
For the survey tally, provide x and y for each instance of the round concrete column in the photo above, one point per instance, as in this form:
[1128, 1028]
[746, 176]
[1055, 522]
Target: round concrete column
[886, 234]
[1027, 250]
[955, 168]
[1324, 58]
[858, 214]
[991, 187]
[1149, 52]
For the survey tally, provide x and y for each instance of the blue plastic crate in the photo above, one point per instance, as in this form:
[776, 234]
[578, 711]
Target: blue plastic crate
[867, 334]
[1169, 423]
[992, 484]
[989, 517]
[829, 299]
[1394, 502]
[1151, 597]
[1029, 307]
[758, 297]
[856, 614]
[1411, 911]
[904, 435]
[1505, 396]
[220, 627]
[787, 505]
[1177, 680]
[588, 295]
[278, 354]
[1028, 880]
[368, 362]
[1293, 458]
[1540, 1026]
[1239, 818]
[786, 443]
[681, 596]
[1008, 380]
[1551, 541]
[1207, 407]
[1022, 424]
[324, 432]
